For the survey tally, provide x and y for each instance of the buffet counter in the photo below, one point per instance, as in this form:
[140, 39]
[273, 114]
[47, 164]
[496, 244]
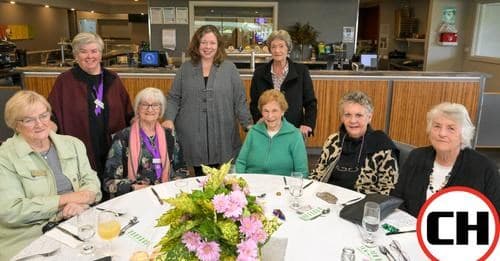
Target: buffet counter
[401, 99]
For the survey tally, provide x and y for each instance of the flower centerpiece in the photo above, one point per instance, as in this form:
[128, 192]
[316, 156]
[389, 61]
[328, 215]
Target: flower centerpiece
[220, 221]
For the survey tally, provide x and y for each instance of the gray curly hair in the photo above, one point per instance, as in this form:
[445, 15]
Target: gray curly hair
[358, 97]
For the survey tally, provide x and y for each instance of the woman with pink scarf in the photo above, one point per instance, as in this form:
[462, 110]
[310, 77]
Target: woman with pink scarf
[141, 155]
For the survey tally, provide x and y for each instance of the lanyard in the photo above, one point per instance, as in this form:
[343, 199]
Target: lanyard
[154, 151]
[99, 104]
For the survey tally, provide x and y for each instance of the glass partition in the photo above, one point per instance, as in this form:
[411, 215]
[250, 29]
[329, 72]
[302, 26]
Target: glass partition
[243, 25]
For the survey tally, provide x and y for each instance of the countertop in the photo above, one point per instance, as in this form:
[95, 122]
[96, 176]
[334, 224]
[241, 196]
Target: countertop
[245, 73]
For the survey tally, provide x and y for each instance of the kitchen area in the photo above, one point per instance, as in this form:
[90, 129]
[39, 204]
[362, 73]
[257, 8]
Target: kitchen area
[380, 47]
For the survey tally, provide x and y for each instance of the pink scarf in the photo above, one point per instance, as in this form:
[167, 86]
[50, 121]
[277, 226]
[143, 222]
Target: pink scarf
[134, 148]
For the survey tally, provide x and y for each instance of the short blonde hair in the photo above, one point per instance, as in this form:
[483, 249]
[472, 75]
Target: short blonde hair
[21, 102]
[280, 35]
[357, 97]
[273, 95]
[85, 38]
[150, 92]
[457, 113]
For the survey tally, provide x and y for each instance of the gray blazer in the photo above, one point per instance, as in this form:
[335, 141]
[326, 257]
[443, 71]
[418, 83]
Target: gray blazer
[206, 118]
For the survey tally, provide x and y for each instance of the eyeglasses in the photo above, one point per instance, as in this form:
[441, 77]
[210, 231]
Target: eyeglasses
[31, 121]
[347, 169]
[154, 106]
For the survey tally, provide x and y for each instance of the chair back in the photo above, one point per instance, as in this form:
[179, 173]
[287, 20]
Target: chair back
[404, 151]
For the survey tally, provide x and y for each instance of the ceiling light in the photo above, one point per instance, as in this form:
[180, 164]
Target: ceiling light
[72, 9]
[136, 0]
[47, 6]
[92, 11]
[142, 13]
[12, 2]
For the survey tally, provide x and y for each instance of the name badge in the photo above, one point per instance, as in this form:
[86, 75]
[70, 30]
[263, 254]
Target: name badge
[99, 103]
[156, 161]
[38, 173]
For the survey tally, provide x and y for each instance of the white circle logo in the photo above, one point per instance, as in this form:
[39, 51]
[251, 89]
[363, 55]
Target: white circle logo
[458, 223]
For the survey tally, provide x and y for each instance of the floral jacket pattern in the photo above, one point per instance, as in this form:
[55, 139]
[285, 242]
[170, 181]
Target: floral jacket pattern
[379, 173]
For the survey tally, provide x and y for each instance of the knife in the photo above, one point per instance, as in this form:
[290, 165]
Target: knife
[308, 184]
[157, 196]
[67, 232]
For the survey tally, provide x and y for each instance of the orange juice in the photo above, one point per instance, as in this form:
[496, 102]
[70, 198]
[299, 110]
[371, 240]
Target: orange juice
[109, 229]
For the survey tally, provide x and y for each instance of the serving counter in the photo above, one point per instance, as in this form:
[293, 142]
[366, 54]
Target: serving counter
[401, 99]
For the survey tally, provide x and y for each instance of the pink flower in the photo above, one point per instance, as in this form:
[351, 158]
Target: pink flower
[221, 203]
[239, 198]
[192, 240]
[247, 251]
[259, 236]
[235, 187]
[249, 225]
[208, 251]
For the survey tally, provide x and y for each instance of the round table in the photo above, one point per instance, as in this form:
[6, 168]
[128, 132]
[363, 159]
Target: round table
[320, 239]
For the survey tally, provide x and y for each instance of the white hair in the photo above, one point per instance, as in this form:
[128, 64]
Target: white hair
[457, 113]
[151, 92]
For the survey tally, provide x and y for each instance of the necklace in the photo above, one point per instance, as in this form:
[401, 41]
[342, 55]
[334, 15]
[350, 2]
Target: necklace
[348, 169]
[45, 154]
[431, 183]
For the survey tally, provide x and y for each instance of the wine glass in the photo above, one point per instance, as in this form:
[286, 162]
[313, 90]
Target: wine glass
[108, 228]
[296, 181]
[86, 230]
[371, 220]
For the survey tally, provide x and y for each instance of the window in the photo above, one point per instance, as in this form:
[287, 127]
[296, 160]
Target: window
[486, 41]
[240, 23]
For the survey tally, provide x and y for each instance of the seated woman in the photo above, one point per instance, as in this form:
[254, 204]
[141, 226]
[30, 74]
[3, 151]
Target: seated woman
[273, 146]
[141, 155]
[44, 176]
[449, 161]
[358, 157]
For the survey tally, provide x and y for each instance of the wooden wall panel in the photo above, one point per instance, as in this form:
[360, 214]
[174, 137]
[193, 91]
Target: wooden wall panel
[329, 92]
[411, 100]
[41, 85]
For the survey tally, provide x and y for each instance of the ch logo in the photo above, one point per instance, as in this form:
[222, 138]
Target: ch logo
[458, 223]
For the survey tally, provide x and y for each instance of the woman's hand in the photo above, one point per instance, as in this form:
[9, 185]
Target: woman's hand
[80, 197]
[139, 186]
[73, 209]
[305, 130]
[168, 124]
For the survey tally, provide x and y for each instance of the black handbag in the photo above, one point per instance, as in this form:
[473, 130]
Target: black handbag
[354, 212]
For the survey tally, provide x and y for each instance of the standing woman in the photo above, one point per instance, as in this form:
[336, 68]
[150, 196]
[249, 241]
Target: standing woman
[292, 79]
[206, 101]
[90, 102]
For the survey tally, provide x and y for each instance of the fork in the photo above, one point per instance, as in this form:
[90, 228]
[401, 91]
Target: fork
[46, 254]
[386, 252]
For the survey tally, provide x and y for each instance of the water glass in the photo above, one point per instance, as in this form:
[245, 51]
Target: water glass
[181, 184]
[348, 254]
[371, 221]
[296, 182]
[86, 230]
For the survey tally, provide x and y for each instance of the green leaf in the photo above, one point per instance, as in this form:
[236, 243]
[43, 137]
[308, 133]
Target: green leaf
[209, 231]
[184, 203]
[170, 217]
[178, 252]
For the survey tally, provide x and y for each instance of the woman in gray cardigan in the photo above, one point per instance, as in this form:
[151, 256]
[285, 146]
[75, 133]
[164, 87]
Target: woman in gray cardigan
[206, 101]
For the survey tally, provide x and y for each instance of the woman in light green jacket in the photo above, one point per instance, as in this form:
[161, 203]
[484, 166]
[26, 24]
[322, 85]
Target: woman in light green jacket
[43, 176]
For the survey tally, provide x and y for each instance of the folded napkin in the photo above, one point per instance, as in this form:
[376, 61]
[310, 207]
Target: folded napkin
[63, 237]
[275, 249]
[39, 246]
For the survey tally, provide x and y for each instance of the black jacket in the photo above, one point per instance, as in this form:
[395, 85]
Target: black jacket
[471, 169]
[297, 88]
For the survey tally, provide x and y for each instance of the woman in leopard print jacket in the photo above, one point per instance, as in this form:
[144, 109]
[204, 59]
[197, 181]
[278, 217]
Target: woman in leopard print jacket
[358, 157]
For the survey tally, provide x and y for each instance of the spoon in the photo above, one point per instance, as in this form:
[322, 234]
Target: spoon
[51, 252]
[386, 252]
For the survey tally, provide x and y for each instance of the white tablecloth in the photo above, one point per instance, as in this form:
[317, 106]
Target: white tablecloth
[320, 239]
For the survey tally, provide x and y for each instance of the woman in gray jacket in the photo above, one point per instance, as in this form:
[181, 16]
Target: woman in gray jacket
[206, 101]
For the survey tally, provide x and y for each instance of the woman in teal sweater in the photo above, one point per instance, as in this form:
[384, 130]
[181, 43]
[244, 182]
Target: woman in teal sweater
[273, 145]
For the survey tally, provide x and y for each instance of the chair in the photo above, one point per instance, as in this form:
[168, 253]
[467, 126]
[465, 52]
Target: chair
[404, 151]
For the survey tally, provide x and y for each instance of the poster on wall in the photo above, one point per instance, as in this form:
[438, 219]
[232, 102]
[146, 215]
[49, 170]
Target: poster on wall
[16, 32]
[449, 15]
[348, 34]
[168, 39]
[181, 15]
[156, 15]
[88, 25]
[169, 15]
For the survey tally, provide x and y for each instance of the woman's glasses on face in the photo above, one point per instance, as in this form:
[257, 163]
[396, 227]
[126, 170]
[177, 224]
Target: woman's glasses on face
[154, 106]
[31, 121]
